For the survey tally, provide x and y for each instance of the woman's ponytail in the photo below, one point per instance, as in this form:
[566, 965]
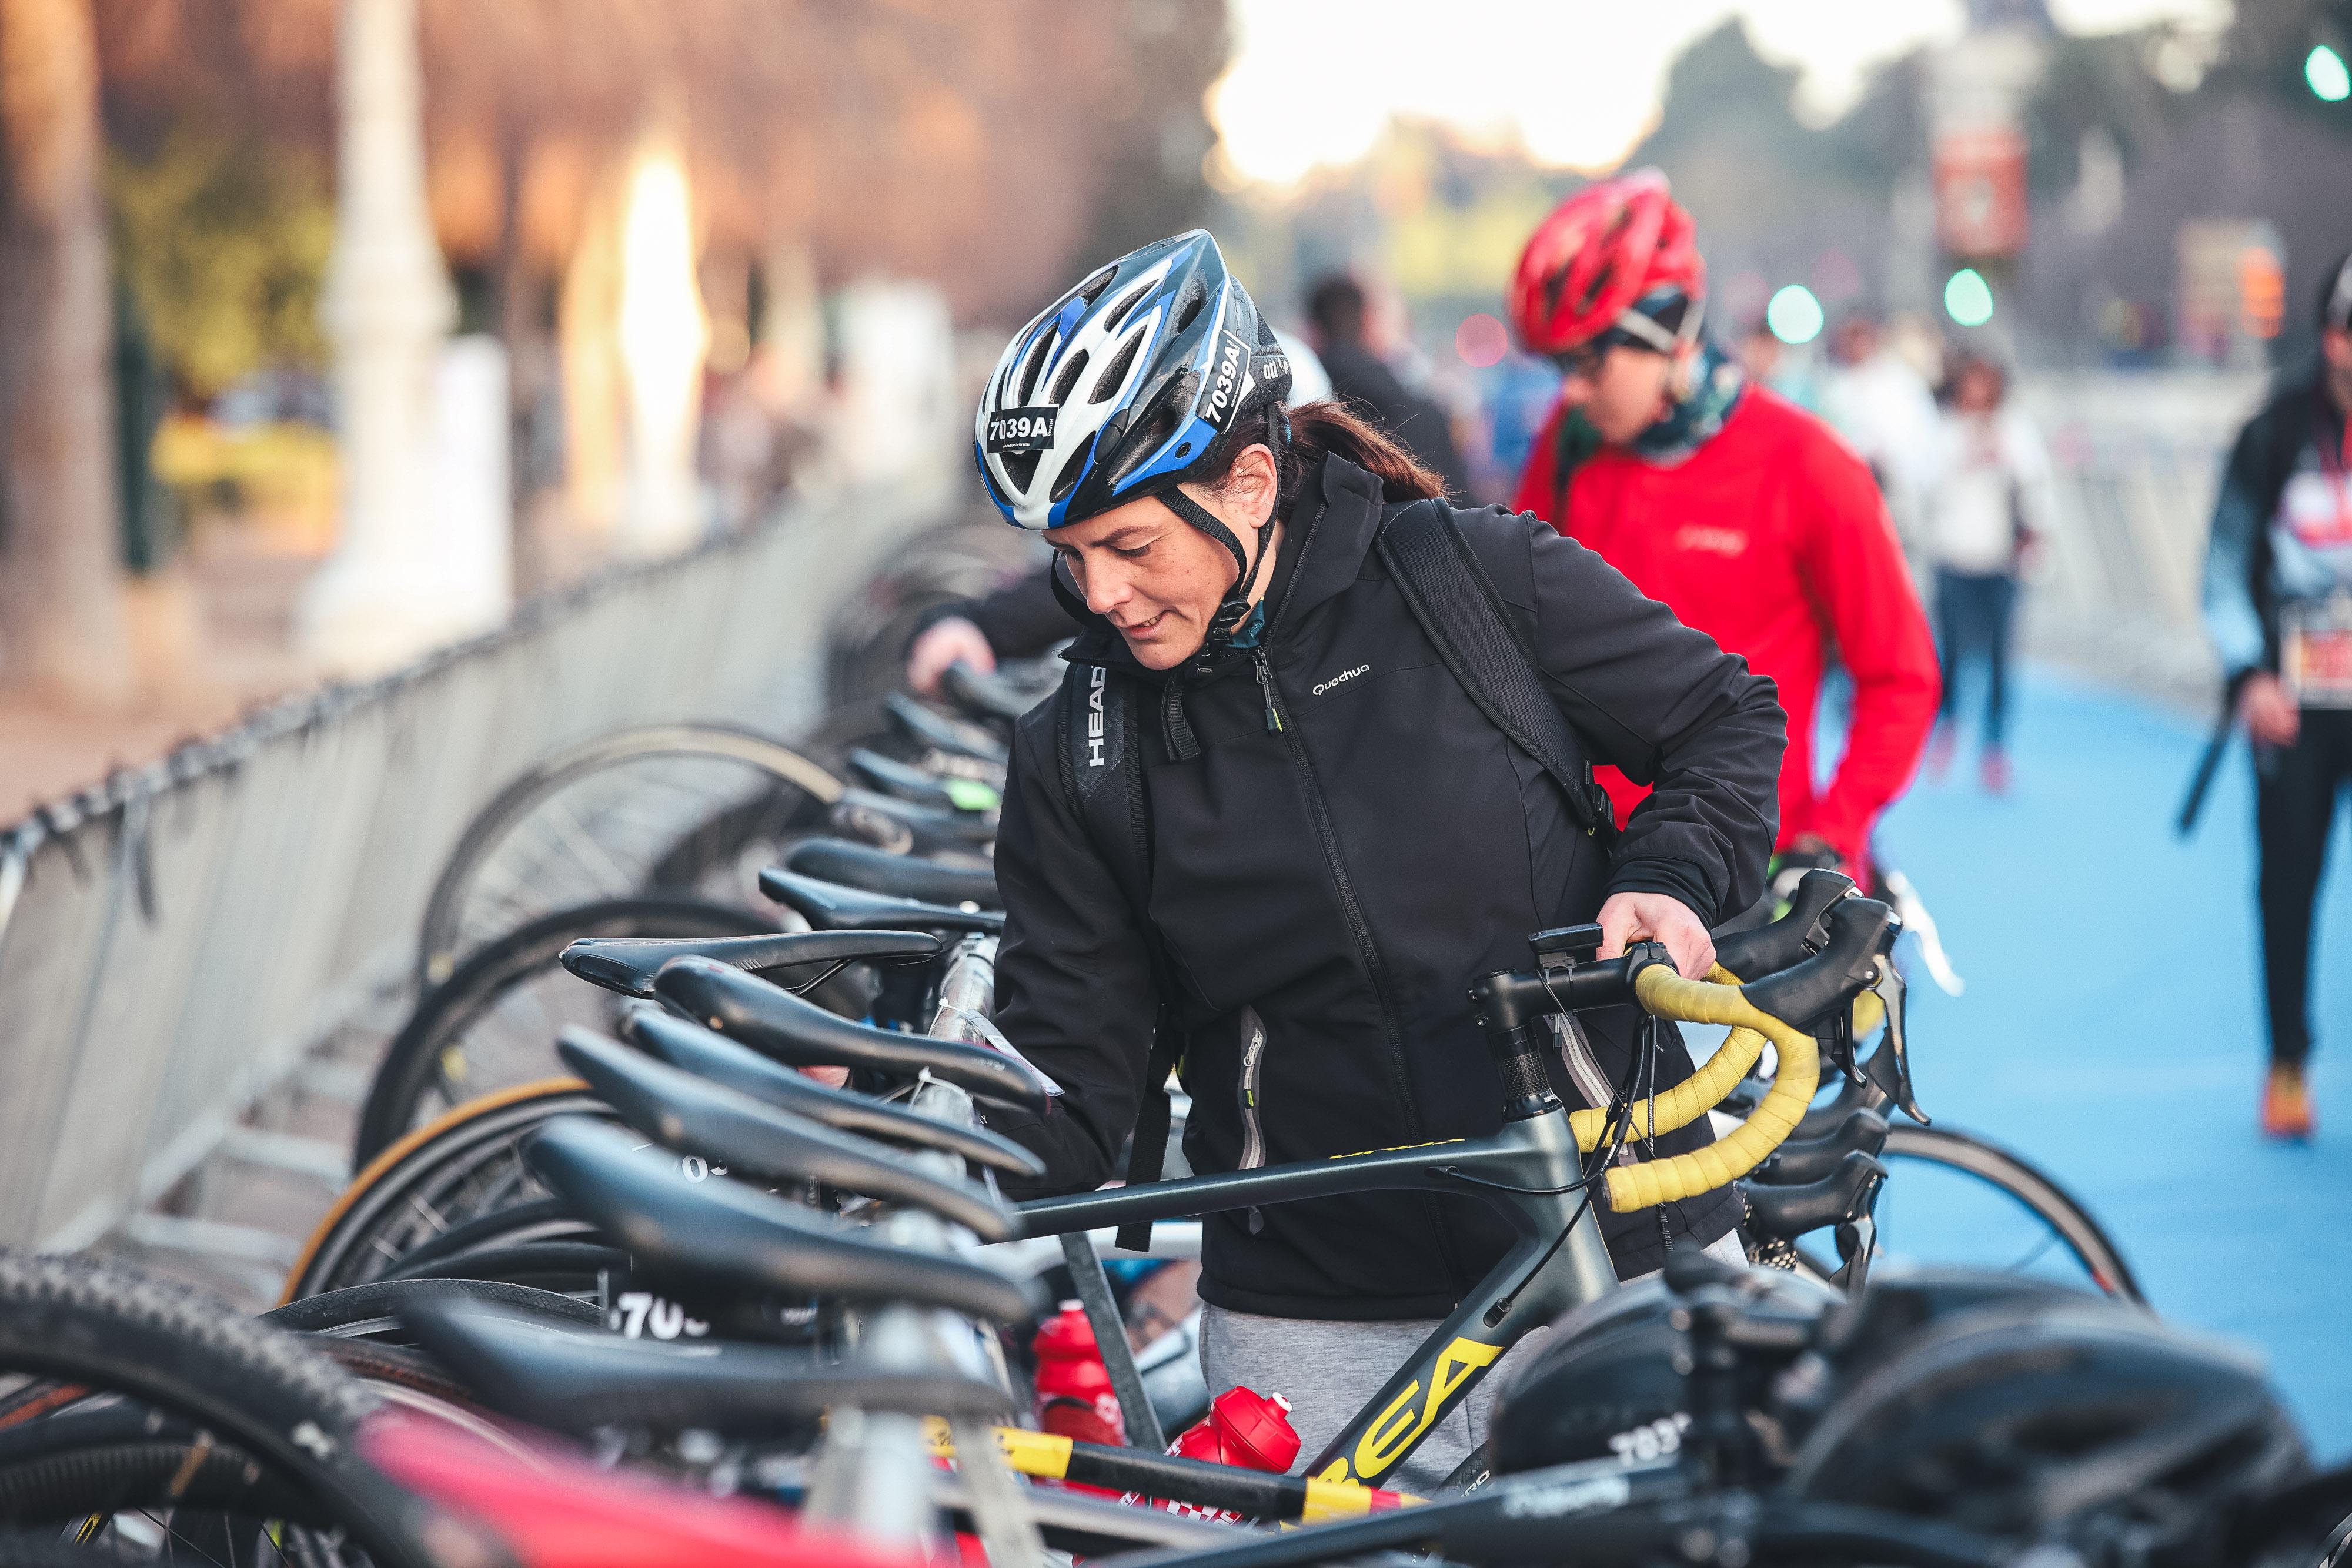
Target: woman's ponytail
[1329, 427]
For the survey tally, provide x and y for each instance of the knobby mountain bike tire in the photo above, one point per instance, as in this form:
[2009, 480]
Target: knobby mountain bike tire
[252, 1420]
[427, 1069]
[465, 1164]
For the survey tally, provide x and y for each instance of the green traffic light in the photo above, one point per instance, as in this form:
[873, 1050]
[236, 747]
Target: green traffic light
[2325, 70]
[1967, 298]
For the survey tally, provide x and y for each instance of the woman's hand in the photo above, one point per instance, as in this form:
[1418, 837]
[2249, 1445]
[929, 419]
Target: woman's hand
[1630, 917]
[942, 645]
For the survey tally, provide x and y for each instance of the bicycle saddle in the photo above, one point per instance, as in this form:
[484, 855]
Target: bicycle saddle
[568, 1381]
[829, 906]
[687, 1045]
[986, 694]
[1789, 1212]
[721, 1235]
[927, 727]
[926, 826]
[693, 1115]
[628, 964]
[1768, 949]
[906, 783]
[870, 870]
[1796, 1164]
[799, 1033]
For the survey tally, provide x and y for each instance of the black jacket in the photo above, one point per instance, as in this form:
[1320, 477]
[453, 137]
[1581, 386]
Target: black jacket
[2255, 562]
[1340, 883]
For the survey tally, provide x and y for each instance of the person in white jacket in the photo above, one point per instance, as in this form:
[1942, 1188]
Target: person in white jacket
[1988, 503]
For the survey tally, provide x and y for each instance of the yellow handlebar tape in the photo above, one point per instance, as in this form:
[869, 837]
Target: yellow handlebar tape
[1702, 1091]
[1667, 995]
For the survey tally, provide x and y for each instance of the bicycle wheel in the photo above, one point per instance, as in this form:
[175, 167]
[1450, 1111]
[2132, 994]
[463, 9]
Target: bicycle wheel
[152, 1421]
[463, 1166]
[601, 821]
[1952, 1198]
[493, 1024]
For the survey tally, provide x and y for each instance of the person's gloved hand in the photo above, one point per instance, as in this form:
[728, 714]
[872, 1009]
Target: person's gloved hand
[1631, 918]
[942, 645]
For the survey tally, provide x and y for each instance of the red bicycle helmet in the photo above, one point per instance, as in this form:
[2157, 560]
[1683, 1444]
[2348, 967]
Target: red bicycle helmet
[1602, 250]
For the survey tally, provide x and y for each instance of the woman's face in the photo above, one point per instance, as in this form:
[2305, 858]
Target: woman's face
[1979, 390]
[1157, 578]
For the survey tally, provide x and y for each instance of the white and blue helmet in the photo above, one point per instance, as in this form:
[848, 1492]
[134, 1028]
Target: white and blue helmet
[1152, 371]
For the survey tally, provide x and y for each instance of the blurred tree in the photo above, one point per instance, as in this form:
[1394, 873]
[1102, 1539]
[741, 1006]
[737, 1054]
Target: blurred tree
[61, 615]
[223, 246]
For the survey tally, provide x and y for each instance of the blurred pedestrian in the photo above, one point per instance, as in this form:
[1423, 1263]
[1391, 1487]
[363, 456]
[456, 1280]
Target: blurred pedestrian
[1989, 500]
[2278, 605]
[1883, 407]
[1358, 352]
[1740, 512]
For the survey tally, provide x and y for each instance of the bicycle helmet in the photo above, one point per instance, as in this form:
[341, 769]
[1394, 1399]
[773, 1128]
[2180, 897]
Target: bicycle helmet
[2034, 1411]
[1610, 259]
[1152, 372]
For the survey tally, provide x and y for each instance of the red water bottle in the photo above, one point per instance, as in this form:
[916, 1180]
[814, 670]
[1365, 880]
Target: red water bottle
[1074, 1396]
[1244, 1428]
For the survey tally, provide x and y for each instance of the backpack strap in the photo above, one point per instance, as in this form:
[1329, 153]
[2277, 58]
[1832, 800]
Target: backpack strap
[1462, 615]
[1102, 766]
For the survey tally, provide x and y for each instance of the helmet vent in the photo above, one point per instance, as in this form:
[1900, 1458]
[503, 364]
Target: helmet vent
[1073, 470]
[1127, 307]
[1114, 375]
[1037, 364]
[1147, 438]
[1196, 295]
[1094, 287]
[1021, 467]
[1066, 378]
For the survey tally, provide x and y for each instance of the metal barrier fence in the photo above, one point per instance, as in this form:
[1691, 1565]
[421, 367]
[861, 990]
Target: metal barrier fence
[2139, 461]
[173, 941]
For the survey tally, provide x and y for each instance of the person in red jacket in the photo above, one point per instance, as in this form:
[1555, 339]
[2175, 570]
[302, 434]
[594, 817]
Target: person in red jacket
[1741, 512]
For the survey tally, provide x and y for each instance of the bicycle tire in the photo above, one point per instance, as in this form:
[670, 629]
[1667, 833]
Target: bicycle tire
[105, 1328]
[2083, 1236]
[442, 1015]
[439, 940]
[416, 1165]
[371, 1311]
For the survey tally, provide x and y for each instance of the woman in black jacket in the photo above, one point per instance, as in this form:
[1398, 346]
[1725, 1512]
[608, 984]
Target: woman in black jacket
[1338, 839]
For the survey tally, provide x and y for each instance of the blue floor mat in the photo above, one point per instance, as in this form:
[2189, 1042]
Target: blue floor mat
[2112, 1026]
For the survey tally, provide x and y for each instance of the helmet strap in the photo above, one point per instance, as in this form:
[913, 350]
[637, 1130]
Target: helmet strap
[1235, 607]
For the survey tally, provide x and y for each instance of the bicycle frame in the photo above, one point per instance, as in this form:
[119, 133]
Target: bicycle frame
[1518, 1171]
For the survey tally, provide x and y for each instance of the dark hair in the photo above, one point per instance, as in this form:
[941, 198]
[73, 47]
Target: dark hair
[1328, 428]
[1958, 370]
[1335, 303]
[2327, 285]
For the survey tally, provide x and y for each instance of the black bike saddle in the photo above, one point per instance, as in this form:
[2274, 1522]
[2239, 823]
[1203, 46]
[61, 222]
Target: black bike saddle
[695, 1117]
[569, 1381]
[687, 1045]
[721, 1235]
[628, 964]
[927, 727]
[829, 906]
[985, 695]
[926, 826]
[778, 1024]
[862, 866]
[1796, 1163]
[897, 778]
[1789, 1212]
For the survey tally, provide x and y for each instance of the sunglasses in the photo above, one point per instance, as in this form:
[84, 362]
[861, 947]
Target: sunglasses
[1583, 360]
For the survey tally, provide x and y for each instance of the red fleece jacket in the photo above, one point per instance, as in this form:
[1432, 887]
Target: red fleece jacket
[1773, 540]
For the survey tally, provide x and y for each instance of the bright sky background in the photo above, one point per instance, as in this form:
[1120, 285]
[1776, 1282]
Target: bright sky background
[1315, 82]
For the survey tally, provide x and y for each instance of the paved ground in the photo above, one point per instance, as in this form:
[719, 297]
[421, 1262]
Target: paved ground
[2111, 1028]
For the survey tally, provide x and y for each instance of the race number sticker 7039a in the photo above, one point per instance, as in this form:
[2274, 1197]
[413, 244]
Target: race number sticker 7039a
[1016, 430]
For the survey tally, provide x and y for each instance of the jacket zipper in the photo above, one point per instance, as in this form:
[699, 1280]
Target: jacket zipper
[1253, 1132]
[1279, 722]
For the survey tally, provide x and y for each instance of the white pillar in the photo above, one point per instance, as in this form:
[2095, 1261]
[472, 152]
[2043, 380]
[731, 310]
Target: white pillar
[386, 593]
[665, 338]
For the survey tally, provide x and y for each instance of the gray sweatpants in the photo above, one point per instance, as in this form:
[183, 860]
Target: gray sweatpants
[1328, 1371]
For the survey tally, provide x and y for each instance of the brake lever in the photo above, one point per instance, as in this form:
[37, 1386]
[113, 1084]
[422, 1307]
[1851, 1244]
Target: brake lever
[1857, 1235]
[1893, 995]
[1836, 1038]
